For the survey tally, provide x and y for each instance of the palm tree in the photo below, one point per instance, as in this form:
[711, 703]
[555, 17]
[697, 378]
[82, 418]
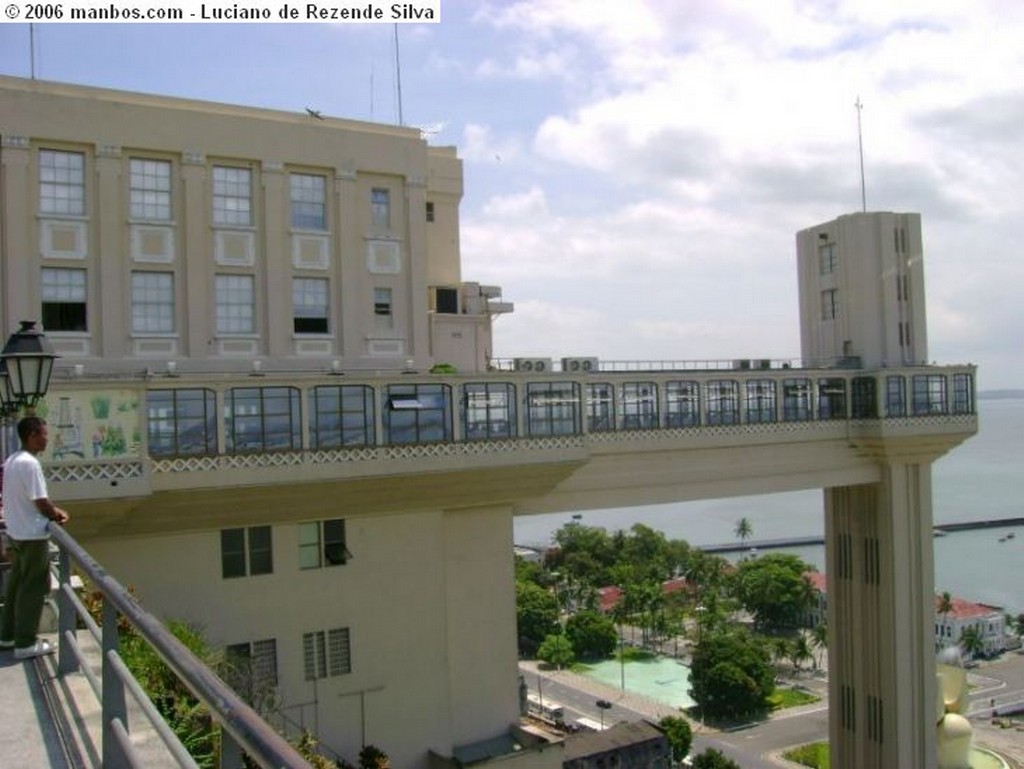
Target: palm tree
[945, 606]
[971, 641]
[800, 651]
[819, 639]
[743, 530]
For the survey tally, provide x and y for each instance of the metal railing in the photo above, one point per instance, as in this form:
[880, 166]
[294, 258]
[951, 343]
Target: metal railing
[242, 729]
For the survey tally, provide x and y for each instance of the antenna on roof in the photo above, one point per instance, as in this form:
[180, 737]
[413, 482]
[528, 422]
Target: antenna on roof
[860, 144]
[32, 50]
[398, 78]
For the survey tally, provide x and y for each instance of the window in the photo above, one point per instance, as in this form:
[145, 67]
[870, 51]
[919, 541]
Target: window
[827, 257]
[152, 302]
[63, 295]
[760, 404]
[600, 407]
[417, 413]
[322, 543]
[232, 196]
[723, 402]
[309, 202]
[61, 183]
[309, 297]
[326, 654]
[863, 398]
[488, 411]
[262, 419]
[796, 400]
[430, 211]
[236, 306]
[380, 207]
[149, 189]
[829, 304]
[929, 394]
[963, 394]
[895, 396]
[246, 552]
[181, 422]
[252, 669]
[831, 399]
[341, 416]
[639, 406]
[682, 404]
[383, 309]
[552, 408]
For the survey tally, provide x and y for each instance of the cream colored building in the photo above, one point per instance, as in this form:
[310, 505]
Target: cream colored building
[245, 428]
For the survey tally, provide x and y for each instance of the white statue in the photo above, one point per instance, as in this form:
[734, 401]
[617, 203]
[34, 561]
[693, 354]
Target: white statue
[953, 728]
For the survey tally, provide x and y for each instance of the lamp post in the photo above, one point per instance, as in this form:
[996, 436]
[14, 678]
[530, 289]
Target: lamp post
[28, 356]
[26, 364]
[602, 706]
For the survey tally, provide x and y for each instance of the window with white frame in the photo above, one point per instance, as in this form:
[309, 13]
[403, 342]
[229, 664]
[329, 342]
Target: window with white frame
[63, 299]
[232, 196]
[309, 310]
[322, 543]
[150, 189]
[152, 302]
[61, 183]
[326, 653]
[309, 202]
[380, 207]
[383, 309]
[235, 296]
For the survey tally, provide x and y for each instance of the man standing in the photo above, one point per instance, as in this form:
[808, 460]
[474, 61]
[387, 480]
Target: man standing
[28, 512]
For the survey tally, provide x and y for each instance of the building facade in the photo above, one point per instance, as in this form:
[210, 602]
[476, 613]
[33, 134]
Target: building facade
[250, 426]
[149, 232]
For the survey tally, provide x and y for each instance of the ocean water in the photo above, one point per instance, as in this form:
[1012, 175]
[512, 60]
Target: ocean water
[983, 479]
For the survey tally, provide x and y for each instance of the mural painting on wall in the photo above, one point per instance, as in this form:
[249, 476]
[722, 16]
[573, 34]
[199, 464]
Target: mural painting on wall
[89, 425]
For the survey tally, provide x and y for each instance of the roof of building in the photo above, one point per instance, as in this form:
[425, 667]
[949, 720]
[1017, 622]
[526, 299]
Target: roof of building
[609, 596]
[963, 609]
[623, 735]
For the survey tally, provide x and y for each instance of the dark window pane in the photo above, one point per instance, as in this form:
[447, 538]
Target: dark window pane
[232, 552]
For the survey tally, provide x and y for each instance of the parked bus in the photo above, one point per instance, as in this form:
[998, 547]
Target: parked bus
[545, 710]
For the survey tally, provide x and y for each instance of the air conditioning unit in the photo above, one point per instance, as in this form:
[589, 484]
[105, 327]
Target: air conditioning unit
[579, 365]
[532, 365]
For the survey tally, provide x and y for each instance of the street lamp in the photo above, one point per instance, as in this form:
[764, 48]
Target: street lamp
[603, 705]
[8, 404]
[28, 357]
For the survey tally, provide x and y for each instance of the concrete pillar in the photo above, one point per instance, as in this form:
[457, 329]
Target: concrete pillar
[481, 631]
[110, 325]
[275, 252]
[19, 232]
[881, 621]
[196, 258]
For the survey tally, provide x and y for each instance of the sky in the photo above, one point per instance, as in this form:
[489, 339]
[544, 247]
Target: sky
[635, 172]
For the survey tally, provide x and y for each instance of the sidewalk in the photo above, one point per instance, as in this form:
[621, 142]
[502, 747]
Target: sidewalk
[28, 735]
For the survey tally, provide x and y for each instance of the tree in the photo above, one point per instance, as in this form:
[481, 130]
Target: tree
[743, 530]
[801, 651]
[556, 650]
[536, 616]
[971, 641]
[819, 639]
[774, 590]
[944, 606]
[592, 634]
[714, 759]
[1018, 625]
[372, 757]
[679, 734]
[731, 674]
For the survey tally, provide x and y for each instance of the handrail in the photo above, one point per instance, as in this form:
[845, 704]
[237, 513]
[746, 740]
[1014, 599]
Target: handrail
[242, 726]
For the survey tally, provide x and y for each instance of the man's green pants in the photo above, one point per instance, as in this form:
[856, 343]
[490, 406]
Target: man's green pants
[28, 583]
